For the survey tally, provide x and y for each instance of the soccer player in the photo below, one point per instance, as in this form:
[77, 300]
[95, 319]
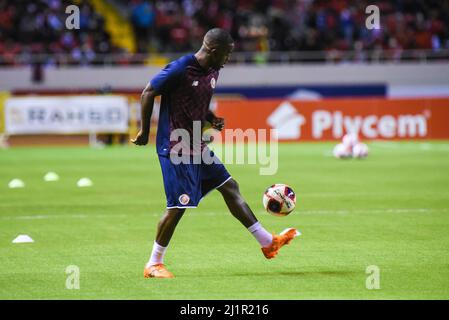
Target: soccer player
[186, 86]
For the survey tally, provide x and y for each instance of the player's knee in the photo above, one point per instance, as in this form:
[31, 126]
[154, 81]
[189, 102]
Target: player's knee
[174, 213]
[233, 185]
[230, 188]
[180, 212]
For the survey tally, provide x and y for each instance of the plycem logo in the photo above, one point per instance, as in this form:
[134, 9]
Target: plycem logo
[287, 120]
[370, 126]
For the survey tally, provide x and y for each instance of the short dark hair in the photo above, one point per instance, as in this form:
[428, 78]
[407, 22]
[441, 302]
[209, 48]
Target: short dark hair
[218, 38]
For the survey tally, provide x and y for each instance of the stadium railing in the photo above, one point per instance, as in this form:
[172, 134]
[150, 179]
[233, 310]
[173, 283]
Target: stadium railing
[285, 57]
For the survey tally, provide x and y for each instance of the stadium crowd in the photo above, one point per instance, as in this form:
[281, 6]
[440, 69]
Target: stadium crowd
[29, 27]
[293, 25]
[39, 27]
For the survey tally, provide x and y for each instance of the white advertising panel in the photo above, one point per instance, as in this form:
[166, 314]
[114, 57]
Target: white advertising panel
[66, 115]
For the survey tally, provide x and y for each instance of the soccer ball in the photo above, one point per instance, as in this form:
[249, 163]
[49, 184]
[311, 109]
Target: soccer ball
[342, 151]
[360, 151]
[350, 139]
[279, 200]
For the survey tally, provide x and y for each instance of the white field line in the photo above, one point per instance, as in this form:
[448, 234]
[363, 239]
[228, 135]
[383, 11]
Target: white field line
[72, 216]
[410, 147]
[358, 194]
[222, 213]
[344, 212]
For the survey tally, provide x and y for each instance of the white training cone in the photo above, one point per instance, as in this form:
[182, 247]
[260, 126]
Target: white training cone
[51, 176]
[84, 182]
[16, 183]
[23, 238]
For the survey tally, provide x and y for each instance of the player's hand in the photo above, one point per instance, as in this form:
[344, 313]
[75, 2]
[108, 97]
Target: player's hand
[141, 139]
[218, 124]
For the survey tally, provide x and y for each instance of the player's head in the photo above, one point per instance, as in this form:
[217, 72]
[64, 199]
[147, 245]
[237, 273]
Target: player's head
[218, 44]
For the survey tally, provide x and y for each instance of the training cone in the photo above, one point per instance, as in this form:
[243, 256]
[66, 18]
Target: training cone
[84, 182]
[16, 183]
[23, 238]
[51, 176]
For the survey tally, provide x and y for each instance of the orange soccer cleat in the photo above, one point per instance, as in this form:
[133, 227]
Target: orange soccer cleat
[285, 237]
[157, 271]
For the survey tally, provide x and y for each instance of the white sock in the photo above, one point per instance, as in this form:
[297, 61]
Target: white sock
[157, 255]
[263, 236]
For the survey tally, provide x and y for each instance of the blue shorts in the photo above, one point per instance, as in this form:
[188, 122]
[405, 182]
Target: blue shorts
[186, 184]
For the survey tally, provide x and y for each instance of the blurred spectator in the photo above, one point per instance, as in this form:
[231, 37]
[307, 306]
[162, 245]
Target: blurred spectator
[142, 17]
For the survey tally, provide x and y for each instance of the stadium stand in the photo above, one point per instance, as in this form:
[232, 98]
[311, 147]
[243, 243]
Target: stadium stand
[328, 30]
[277, 25]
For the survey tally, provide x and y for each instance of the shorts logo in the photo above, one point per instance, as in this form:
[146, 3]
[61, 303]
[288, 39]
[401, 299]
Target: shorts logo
[212, 83]
[184, 199]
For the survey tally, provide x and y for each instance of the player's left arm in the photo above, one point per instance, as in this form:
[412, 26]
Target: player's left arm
[217, 122]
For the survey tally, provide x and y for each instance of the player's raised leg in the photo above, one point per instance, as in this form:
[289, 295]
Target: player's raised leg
[155, 267]
[270, 243]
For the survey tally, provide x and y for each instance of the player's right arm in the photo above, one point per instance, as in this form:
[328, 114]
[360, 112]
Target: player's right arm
[147, 102]
[162, 83]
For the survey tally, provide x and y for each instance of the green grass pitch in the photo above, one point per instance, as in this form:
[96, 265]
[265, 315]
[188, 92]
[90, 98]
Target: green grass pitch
[390, 210]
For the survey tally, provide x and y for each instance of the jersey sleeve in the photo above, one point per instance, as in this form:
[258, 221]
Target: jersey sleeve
[168, 78]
